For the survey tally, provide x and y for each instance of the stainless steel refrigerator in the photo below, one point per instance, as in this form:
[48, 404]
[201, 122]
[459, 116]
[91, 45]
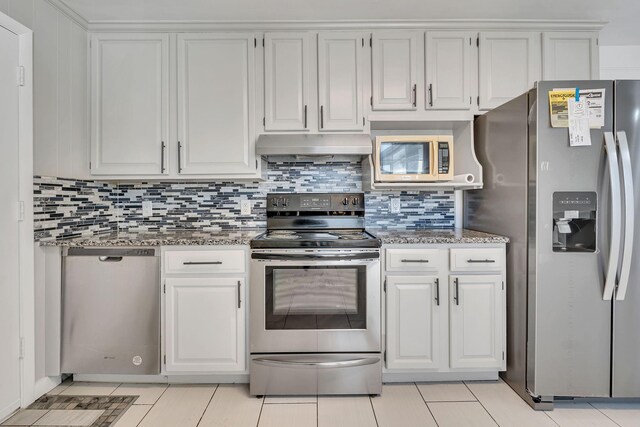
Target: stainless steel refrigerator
[573, 311]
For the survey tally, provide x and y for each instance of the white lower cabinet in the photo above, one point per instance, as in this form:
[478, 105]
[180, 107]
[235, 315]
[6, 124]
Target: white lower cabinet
[414, 317]
[204, 313]
[437, 327]
[204, 324]
[476, 321]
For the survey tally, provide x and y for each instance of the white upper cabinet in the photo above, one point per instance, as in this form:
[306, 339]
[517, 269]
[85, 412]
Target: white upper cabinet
[286, 79]
[476, 311]
[130, 107]
[216, 103]
[340, 74]
[570, 56]
[509, 65]
[414, 320]
[449, 68]
[394, 70]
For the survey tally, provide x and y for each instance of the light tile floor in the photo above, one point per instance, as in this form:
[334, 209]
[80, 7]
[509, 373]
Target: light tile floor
[485, 403]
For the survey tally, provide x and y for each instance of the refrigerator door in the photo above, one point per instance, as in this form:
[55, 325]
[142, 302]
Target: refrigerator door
[626, 330]
[569, 323]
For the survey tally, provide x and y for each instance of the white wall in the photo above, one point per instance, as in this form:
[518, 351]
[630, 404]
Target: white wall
[619, 62]
[61, 88]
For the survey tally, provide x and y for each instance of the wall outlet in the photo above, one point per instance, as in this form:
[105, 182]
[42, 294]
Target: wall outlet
[245, 207]
[394, 205]
[147, 208]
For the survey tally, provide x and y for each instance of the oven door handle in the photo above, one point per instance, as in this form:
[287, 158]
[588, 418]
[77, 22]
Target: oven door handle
[319, 257]
[317, 363]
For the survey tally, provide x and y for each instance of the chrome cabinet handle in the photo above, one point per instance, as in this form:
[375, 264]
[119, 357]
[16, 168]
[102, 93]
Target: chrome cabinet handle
[179, 157]
[629, 216]
[415, 95]
[202, 263]
[414, 260]
[305, 116]
[430, 95]
[437, 282]
[318, 364]
[616, 216]
[456, 296]
[322, 117]
[239, 298]
[481, 261]
[162, 148]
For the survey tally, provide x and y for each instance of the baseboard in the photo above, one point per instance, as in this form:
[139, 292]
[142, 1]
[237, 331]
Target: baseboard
[7, 411]
[166, 379]
[402, 377]
[45, 385]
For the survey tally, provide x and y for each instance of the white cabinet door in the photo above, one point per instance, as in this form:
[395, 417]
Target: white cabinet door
[448, 69]
[286, 79]
[340, 81]
[204, 324]
[129, 103]
[216, 103]
[414, 319]
[476, 314]
[509, 65]
[394, 70]
[570, 56]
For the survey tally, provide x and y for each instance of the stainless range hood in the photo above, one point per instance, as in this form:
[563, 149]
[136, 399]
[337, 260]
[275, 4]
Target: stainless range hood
[311, 147]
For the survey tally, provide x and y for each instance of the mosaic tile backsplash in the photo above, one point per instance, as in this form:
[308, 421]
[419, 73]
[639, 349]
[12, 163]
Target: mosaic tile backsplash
[68, 208]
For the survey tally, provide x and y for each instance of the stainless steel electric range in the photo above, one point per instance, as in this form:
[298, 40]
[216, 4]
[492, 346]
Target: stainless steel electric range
[315, 298]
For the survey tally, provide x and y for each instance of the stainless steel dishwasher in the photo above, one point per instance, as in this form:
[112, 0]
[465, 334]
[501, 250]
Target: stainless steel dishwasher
[111, 311]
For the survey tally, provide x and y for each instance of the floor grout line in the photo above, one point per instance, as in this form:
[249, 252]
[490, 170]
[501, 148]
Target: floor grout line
[209, 403]
[612, 420]
[425, 402]
[261, 408]
[374, 411]
[481, 404]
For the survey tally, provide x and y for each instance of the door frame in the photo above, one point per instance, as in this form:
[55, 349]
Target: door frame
[25, 226]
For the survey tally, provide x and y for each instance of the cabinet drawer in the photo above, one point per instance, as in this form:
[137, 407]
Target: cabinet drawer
[413, 259]
[477, 259]
[203, 262]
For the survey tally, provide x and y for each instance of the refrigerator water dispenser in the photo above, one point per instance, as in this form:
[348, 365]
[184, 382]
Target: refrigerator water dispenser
[574, 221]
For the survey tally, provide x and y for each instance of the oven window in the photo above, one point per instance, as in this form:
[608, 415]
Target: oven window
[319, 297]
[403, 158]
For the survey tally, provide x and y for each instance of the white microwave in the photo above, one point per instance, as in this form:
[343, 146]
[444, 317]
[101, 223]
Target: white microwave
[413, 158]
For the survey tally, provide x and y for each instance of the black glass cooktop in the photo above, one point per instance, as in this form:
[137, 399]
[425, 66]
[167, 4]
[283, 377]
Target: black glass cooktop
[315, 238]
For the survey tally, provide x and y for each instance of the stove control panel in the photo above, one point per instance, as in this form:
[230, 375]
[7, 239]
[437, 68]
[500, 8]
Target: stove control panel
[324, 202]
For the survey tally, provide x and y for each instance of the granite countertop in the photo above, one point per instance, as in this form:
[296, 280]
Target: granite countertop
[456, 235]
[160, 238]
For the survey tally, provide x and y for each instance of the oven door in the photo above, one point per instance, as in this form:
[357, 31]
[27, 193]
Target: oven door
[309, 301]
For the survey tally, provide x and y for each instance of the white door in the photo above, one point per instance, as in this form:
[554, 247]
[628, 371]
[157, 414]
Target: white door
[509, 65]
[340, 72]
[449, 69]
[570, 56]
[286, 80]
[204, 325]
[10, 241]
[414, 320]
[129, 104]
[476, 313]
[394, 70]
[216, 103]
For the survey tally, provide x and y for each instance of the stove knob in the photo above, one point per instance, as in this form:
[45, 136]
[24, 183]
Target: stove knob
[285, 202]
[356, 201]
[345, 201]
[274, 203]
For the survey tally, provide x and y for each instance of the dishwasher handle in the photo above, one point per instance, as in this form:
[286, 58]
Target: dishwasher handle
[110, 254]
[109, 258]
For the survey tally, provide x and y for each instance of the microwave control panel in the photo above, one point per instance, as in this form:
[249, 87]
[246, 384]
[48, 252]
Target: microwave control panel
[443, 158]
